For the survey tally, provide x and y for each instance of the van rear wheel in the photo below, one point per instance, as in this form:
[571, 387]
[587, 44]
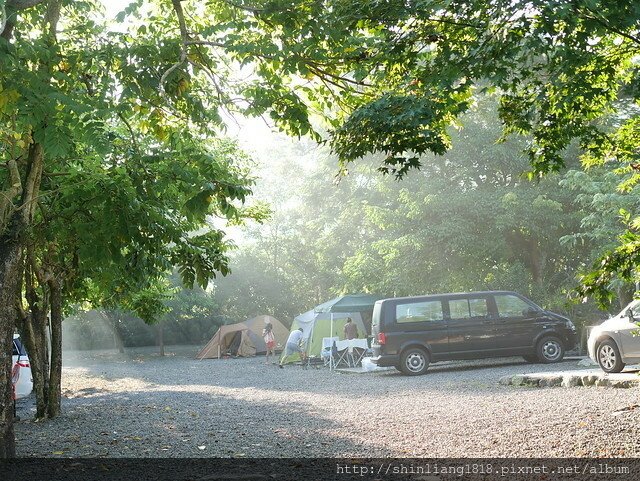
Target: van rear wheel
[414, 361]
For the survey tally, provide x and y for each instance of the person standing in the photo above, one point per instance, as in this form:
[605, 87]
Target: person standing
[350, 329]
[269, 340]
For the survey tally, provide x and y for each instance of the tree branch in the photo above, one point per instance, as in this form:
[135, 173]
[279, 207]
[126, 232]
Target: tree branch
[602, 21]
[177, 7]
[32, 183]
[6, 197]
[244, 7]
[131, 132]
[22, 4]
[52, 17]
[3, 17]
[204, 42]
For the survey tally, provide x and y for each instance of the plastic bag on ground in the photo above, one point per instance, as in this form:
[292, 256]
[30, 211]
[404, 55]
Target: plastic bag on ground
[368, 365]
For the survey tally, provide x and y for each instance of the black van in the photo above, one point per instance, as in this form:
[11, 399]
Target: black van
[411, 332]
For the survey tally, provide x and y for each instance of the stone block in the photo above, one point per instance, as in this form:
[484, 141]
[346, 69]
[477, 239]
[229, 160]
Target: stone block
[571, 381]
[550, 381]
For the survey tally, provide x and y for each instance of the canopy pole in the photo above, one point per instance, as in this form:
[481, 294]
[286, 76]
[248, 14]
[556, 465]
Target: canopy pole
[331, 335]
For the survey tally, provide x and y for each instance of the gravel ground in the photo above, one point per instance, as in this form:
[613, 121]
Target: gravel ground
[142, 405]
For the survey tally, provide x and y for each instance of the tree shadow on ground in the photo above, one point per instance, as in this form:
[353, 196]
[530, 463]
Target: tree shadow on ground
[187, 424]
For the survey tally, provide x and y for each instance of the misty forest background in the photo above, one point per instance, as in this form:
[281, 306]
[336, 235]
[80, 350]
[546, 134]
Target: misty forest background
[468, 220]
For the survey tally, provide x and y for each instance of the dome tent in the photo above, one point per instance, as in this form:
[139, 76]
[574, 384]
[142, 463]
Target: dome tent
[243, 338]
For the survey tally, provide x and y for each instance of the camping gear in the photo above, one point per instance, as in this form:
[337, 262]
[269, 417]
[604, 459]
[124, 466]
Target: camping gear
[318, 325]
[243, 339]
[351, 352]
[361, 303]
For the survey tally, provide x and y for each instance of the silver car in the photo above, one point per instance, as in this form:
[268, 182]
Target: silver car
[616, 342]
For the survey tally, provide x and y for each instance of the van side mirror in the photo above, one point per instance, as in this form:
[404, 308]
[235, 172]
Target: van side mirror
[629, 314]
[530, 312]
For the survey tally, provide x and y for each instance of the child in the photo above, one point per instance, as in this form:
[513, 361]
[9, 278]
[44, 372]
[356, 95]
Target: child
[269, 340]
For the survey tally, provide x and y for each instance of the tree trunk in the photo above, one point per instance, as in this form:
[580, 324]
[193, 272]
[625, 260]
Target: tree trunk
[34, 334]
[11, 249]
[111, 318]
[161, 338]
[10, 260]
[55, 376]
[34, 330]
[536, 262]
[7, 438]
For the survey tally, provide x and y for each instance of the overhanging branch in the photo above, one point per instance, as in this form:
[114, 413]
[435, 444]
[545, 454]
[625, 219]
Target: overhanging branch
[184, 35]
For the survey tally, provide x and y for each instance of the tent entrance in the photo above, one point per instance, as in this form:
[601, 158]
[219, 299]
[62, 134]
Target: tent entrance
[235, 342]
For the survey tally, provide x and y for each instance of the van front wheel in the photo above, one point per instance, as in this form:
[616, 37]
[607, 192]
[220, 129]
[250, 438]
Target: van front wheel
[550, 349]
[414, 361]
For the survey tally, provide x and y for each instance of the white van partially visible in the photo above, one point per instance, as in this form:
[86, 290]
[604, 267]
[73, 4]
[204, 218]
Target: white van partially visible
[21, 372]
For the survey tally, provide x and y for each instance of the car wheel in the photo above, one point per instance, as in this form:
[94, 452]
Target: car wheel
[414, 361]
[609, 358]
[530, 358]
[549, 350]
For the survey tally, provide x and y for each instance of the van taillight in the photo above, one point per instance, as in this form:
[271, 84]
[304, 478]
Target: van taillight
[382, 338]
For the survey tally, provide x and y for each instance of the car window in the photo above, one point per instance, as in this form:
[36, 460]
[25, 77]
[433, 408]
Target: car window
[419, 312]
[478, 307]
[467, 308]
[511, 306]
[18, 348]
[634, 307]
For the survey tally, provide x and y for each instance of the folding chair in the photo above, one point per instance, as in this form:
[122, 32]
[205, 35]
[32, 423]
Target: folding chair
[328, 354]
[358, 348]
[343, 353]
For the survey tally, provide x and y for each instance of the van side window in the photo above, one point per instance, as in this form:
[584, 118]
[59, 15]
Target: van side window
[468, 308]
[419, 312]
[511, 306]
[478, 307]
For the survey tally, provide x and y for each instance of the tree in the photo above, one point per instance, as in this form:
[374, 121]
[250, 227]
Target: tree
[606, 213]
[110, 174]
[388, 77]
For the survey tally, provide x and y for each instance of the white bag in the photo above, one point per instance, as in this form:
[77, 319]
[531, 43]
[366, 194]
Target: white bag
[368, 365]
